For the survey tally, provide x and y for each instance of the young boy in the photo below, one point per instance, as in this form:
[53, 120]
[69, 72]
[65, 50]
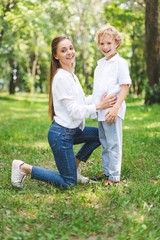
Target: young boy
[112, 77]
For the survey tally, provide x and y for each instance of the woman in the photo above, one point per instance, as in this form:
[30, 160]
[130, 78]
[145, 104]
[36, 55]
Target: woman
[69, 107]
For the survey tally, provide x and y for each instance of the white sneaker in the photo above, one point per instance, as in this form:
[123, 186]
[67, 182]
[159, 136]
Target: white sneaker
[80, 178]
[17, 177]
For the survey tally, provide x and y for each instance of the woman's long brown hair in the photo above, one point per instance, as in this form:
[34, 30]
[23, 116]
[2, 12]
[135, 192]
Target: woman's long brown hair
[54, 65]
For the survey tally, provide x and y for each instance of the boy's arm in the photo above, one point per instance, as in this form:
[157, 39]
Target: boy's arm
[111, 115]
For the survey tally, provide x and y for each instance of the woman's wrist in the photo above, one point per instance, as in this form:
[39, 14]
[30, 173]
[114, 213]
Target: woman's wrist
[98, 106]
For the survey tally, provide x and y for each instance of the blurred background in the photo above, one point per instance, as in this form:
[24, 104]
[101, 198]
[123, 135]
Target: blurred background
[27, 28]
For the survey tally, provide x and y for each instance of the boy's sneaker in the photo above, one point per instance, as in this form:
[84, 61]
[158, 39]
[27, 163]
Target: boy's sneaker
[101, 177]
[80, 178]
[109, 183]
[17, 177]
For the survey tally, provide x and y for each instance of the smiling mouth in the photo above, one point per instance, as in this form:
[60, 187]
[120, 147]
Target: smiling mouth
[70, 57]
[106, 51]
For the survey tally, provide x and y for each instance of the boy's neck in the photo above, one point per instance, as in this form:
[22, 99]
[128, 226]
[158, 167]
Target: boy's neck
[111, 56]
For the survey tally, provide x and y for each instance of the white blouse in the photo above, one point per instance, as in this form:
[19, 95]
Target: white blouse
[70, 103]
[108, 78]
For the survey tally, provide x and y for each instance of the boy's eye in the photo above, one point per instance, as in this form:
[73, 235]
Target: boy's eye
[101, 43]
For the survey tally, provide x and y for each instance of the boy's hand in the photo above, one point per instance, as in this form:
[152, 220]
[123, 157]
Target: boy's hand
[111, 115]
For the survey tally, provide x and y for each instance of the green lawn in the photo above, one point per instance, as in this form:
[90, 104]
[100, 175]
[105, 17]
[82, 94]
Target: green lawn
[41, 212]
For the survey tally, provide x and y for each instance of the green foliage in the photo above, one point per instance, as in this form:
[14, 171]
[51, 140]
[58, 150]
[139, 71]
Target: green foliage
[128, 18]
[29, 26]
[40, 211]
[26, 40]
[152, 94]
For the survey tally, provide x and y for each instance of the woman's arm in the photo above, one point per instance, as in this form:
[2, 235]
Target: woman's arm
[81, 111]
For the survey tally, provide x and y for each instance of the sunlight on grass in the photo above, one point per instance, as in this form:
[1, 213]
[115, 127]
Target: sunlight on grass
[135, 102]
[26, 97]
[40, 145]
[153, 135]
[153, 125]
[26, 111]
[28, 215]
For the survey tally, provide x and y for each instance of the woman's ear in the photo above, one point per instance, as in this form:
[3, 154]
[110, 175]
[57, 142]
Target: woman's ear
[55, 57]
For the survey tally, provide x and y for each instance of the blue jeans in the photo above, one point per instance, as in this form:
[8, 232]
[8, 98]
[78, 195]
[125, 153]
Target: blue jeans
[61, 141]
[110, 136]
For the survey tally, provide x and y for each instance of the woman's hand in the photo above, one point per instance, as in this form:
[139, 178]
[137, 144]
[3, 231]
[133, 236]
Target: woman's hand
[106, 102]
[111, 115]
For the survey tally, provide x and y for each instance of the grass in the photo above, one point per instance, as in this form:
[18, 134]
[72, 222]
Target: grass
[40, 211]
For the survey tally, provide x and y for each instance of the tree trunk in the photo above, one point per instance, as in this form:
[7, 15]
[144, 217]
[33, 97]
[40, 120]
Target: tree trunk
[152, 42]
[34, 72]
[84, 56]
[12, 84]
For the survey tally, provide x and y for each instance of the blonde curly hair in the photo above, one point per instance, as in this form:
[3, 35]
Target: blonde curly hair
[111, 31]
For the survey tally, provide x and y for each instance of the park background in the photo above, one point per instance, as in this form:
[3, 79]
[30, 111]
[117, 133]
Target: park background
[39, 211]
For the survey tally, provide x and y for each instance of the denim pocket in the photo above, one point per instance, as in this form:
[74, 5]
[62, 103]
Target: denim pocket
[70, 132]
[53, 138]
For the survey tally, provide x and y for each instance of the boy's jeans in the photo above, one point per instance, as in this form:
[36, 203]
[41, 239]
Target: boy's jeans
[111, 139]
[61, 141]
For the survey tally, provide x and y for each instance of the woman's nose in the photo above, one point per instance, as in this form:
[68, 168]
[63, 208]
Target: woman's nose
[68, 51]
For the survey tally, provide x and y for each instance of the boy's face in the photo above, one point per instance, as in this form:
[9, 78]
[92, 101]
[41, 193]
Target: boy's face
[107, 45]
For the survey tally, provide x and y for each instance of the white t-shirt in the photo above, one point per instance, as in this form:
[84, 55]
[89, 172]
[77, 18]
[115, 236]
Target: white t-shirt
[108, 78]
[70, 104]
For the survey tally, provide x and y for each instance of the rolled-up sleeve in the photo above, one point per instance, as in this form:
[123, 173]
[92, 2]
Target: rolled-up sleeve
[123, 73]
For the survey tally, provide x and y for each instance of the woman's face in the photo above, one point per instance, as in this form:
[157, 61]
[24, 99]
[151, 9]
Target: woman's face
[65, 53]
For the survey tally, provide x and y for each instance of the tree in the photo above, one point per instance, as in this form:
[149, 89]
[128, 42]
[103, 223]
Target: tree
[152, 51]
[6, 7]
[24, 36]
